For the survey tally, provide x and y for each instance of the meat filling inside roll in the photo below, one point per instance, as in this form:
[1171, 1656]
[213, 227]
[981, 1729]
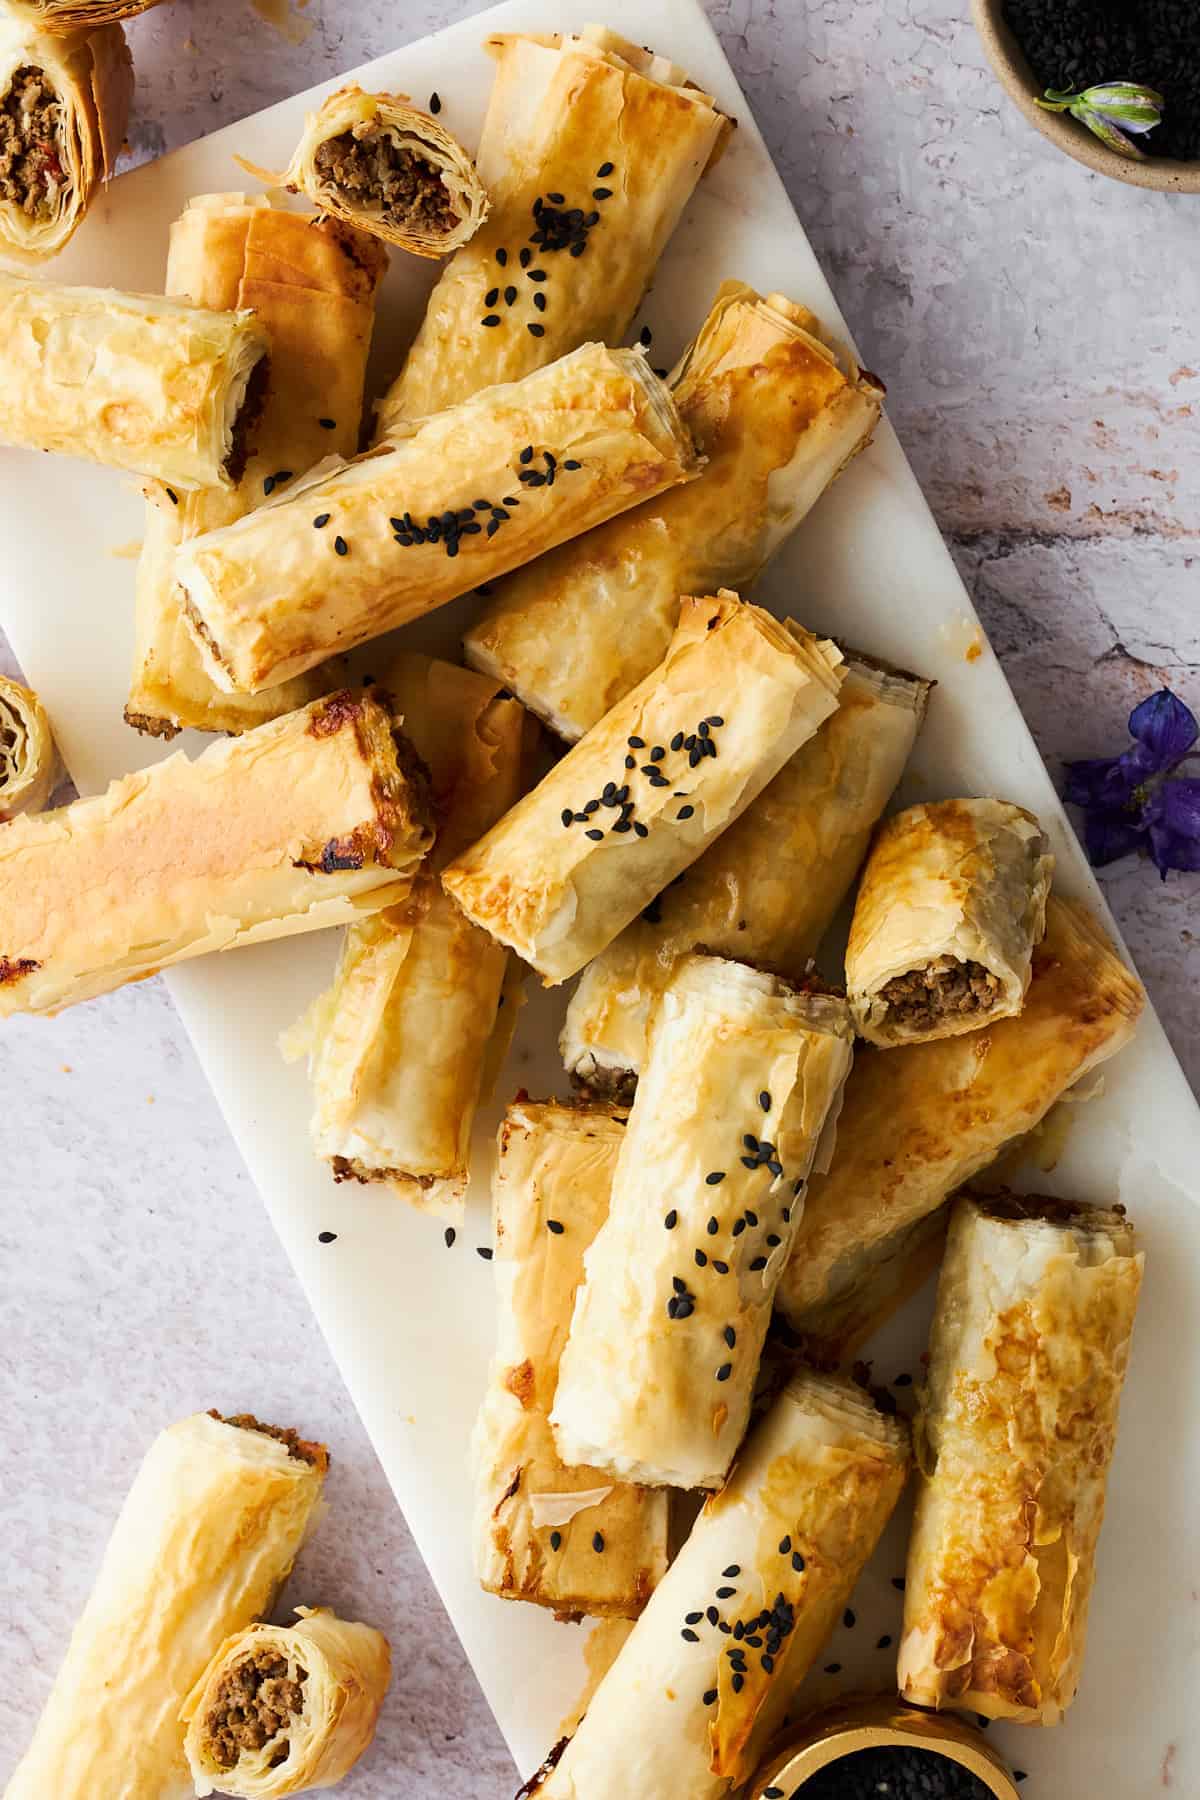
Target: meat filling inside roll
[246, 420]
[315, 1455]
[920, 998]
[370, 168]
[31, 175]
[254, 1706]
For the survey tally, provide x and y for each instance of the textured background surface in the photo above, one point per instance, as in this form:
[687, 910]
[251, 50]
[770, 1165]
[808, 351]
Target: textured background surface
[1034, 324]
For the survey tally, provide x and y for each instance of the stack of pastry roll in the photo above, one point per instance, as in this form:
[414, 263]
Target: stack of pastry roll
[66, 81]
[311, 285]
[29, 766]
[769, 887]
[308, 821]
[1028, 1355]
[646, 790]
[564, 1536]
[707, 1674]
[591, 149]
[736, 1103]
[397, 1046]
[777, 414]
[920, 1120]
[448, 502]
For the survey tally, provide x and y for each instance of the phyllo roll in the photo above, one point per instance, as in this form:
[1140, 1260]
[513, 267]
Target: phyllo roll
[206, 1538]
[710, 1668]
[566, 1537]
[767, 890]
[305, 822]
[1028, 1353]
[742, 1078]
[135, 381]
[950, 906]
[311, 284]
[638, 799]
[777, 414]
[374, 161]
[451, 501]
[920, 1121]
[29, 766]
[397, 1046]
[284, 1709]
[64, 106]
[590, 151]
[70, 15]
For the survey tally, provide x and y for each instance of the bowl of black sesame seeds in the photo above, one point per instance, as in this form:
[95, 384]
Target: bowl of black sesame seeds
[1072, 48]
[880, 1749]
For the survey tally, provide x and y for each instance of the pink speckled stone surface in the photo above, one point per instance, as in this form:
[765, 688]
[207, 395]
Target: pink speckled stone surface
[1035, 325]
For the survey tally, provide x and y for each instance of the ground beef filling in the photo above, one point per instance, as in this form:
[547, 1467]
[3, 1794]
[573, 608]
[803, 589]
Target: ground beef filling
[371, 170]
[31, 176]
[924, 997]
[296, 1446]
[246, 423]
[255, 1701]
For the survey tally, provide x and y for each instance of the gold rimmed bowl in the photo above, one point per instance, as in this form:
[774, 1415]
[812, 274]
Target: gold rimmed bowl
[874, 1724]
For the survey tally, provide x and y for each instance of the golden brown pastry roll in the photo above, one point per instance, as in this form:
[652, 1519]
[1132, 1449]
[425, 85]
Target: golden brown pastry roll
[206, 1538]
[767, 890]
[950, 906]
[688, 1707]
[285, 1709]
[134, 381]
[30, 769]
[777, 415]
[918, 1122]
[1028, 1353]
[650, 787]
[454, 500]
[70, 15]
[374, 161]
[64, 105]
[888, 1272]
[567, 1537]
[742, 1075]
[305, 822]
[311, 284]
[591, 149]
[397, 1048]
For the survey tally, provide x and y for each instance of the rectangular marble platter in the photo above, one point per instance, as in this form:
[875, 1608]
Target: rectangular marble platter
[410, 1321]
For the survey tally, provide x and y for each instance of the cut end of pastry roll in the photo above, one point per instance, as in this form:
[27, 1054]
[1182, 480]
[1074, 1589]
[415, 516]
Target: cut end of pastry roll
[30, 768]
[951, 904]
[1028, 1353]
[282, 1710]
[60, 16]
[385, 166]
[64, 106]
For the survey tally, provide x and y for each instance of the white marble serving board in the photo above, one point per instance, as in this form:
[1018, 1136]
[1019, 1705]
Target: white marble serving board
[409, 1321]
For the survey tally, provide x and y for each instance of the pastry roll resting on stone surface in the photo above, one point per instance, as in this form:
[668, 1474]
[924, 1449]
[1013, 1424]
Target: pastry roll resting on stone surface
[650, 787]
[207, 1536]
[306, 822]
[688, 1708]
[29, 766]
[566, 1537]
[1030, 1344]
[742, 1076]
[951, 904]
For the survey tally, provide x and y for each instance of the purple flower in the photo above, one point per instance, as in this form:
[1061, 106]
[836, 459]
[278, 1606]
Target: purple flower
[1127, 800]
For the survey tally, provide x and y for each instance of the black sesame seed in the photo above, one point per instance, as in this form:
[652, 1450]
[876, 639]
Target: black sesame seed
[764, 1100]
[172, 496]
[671, 1220]
[739, 1631]
[556, 199]
[601, 193]
[982, 1721]
[848, 1618]
[578, 249]
[798, 1562]
[491, 319]
[689, 1636]
[657, 754]
[774, 1240]
[712, 1615]
[536, 330]
[885, 1642]
[341, 546]
[725, 1371]
[740, 1224]
[902, 1381]
[715, 1179]
[556, 1226]
[710, 1696]
[327, 1237]
[484, 1251]
[605, 169]
[510, 296]
[692, 1618]
[555, 1540]
[525, 257]
[1020, 1775]
[321, 520]
[598, 1542]
[491, 297]
[701, 1259]
[833, 1668]
[641, 830]
[449, 1234]
[785, 1545]
[594, 834]
[750, 1141]
[534, 274]
[732, 1571]
[738, 1683]
[712, 1228]
[435, 103]
[772, 1793]
[645, 335]
[572, 464]
[685, 812]
[758, 1262]
[730, 1336]
[722, 1268]
[539, 300]
[502, 258]
[899, 1583]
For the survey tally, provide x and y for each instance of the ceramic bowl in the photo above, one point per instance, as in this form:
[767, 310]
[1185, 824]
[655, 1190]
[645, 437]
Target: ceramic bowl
[852, 1725]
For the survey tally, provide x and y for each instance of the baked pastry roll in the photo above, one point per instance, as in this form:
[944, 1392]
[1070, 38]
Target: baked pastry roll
[888, 1272]
[374, 161]
[649, 788]
[742, 1075]
[30, 769]
[64, 106]
[311, 284]
[767, 890]
[134, 381]
[207, 1536]
[397, 1046]
[284, 1709]
[950, 906]
[567, 1537]
[688, 1706]
[451, 501]
[918, 1123]
[1028, 1354]
[305, 822]
[68, 15]
[591, 149]
[777, 415]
